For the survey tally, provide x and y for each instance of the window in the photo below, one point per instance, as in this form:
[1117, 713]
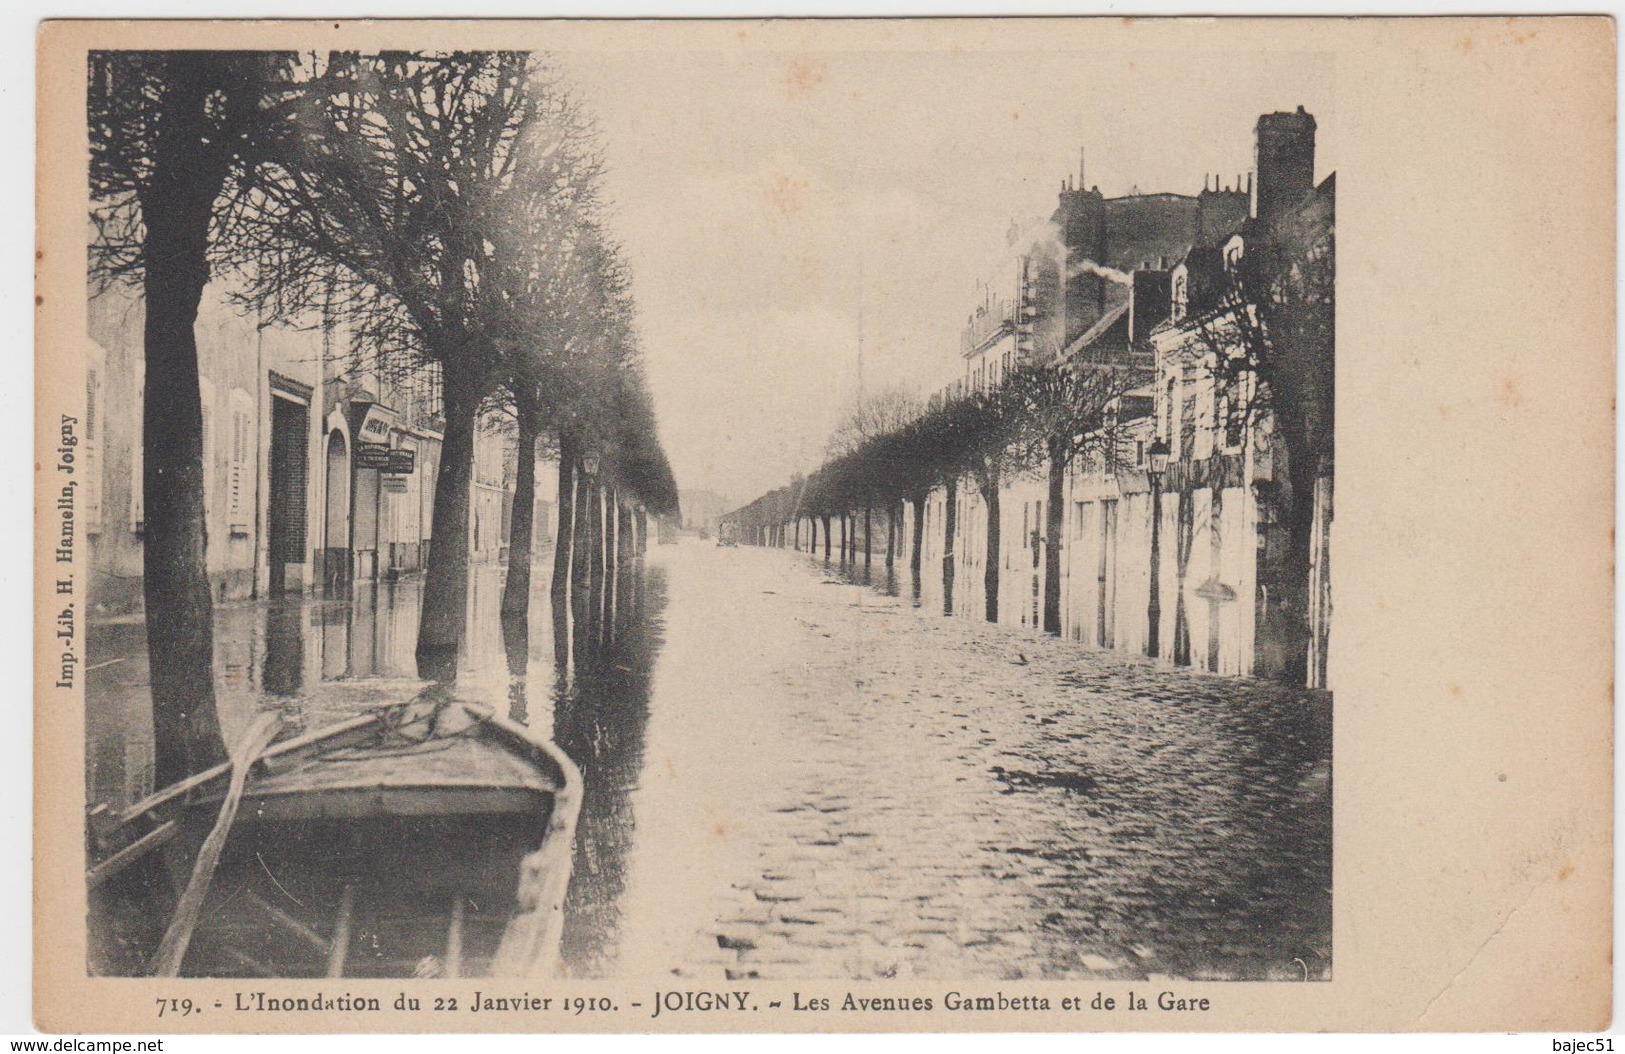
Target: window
[433, 394]
[1235, 416]
[1187, 416]
[1171, 427]
[206, 393]
[1181, 295]
[1109, 434]
[1207, 412]
[137, 515]
[1139, 453]
[239, 488]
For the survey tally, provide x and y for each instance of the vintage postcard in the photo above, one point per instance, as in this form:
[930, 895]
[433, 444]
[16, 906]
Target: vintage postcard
[825, 525]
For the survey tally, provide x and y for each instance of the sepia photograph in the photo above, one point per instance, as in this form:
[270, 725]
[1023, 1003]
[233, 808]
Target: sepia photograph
[635, 527]
[386, 550]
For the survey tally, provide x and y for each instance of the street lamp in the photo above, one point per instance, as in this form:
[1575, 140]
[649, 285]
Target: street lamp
[589, 464]
[1158, 454]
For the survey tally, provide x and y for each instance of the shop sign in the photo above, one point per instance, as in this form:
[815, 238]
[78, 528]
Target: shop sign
[374, 455]
[375, 425]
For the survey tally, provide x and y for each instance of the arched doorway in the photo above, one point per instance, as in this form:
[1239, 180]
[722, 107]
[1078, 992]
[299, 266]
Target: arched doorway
[336, 535]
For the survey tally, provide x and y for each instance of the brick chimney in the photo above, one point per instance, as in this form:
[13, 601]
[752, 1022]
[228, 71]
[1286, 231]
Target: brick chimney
[1149, 302]
[1284, 150]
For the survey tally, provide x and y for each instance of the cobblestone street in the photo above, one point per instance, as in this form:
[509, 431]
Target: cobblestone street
[839, 785]
[788, 775]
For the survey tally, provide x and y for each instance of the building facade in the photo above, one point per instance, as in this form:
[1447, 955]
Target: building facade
[1197, 528]
[320, 464]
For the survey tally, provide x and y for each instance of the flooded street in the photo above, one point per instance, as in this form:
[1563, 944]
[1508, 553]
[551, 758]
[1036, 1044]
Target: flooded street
[790, 775]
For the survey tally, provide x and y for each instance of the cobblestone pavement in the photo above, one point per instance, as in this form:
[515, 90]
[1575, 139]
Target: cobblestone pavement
[789, 776]
[837, 785]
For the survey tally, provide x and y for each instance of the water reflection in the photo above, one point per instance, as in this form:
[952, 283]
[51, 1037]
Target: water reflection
[293, 651]
[600, 719]
[887, 583]
[584, 676]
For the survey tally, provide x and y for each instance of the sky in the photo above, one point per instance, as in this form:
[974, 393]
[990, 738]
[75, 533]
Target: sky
[778, 207]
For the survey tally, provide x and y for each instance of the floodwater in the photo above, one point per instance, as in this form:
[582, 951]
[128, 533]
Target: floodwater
[789, 774]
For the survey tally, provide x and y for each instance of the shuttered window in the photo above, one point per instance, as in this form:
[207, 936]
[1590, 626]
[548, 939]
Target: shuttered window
[137, 489]
[239, 470]
[206, 393]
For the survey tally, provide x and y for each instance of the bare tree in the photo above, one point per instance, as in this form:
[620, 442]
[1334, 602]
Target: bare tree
[173, 136]
[1061, 411]
[1268, 327]
[872, 416]
[404, 169]
[545, 257]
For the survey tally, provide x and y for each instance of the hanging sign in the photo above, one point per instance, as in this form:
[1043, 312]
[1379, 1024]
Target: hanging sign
[374, 455]
[375, 425]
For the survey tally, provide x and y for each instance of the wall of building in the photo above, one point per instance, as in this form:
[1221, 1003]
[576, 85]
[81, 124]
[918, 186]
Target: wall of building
[1190, 570]
[287, 507]
[237, 360]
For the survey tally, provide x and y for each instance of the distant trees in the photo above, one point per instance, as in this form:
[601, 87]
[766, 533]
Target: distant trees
[872, 416]
[1042, 417]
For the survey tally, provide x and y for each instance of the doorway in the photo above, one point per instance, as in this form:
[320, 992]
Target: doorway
[290, 485]
[336, 539]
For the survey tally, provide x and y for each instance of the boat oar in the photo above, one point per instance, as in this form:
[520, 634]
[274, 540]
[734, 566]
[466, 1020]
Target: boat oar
[172, 950]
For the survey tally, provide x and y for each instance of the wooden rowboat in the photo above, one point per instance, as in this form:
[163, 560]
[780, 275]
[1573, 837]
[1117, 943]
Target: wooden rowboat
[430, 839]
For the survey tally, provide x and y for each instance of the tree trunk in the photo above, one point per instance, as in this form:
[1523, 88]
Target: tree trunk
[516, 587]
[516, 644]
[918, 501]
[990, 571]
[612, 561]
[868, 534]
[950, 524]
[581, 567]
[563, 548]
[826, 539]
[595, 544]
[891, 534]
[612, 532]
[1184, 537]
[581, 544]
[1053, 520]
[179, 607]
[445, 580]
[627, 573]
[843, 539]
[1293, 588]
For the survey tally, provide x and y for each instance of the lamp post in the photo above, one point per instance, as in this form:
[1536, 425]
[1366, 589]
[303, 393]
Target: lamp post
[1158, 454]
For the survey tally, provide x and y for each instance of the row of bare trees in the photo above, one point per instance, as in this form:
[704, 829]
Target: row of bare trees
[447, 209]
[1041, 418]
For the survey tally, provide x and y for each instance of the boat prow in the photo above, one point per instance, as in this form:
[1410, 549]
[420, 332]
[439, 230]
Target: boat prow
[429, 838]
